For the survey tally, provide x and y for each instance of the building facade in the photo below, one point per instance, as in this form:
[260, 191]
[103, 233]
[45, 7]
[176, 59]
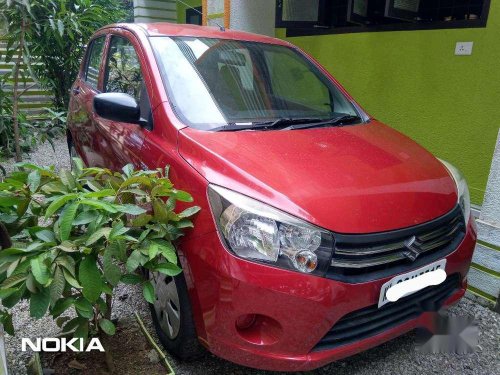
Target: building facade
[427, 68]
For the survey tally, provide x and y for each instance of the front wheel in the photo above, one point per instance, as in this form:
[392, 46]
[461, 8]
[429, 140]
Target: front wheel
[173, 318]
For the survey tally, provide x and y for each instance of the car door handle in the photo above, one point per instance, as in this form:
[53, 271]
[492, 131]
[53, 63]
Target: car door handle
[76, 91]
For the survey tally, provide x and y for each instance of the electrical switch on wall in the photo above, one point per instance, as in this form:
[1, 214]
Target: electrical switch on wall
[464, 48]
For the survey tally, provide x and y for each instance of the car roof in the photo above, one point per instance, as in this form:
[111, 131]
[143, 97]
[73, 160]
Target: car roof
[173, 29]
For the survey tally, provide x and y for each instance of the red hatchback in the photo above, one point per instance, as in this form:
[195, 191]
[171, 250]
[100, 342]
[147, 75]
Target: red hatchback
[312, 211]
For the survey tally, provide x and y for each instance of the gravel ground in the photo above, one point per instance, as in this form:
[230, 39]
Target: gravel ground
[397, 357]
[45, 155]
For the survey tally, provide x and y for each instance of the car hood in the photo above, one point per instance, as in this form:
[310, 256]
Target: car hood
[355, 179]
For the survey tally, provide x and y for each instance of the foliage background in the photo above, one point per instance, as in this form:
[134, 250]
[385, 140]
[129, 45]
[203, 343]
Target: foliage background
[55, 34]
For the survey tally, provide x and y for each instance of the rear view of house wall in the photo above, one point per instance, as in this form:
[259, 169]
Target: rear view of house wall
[155, 11]
[34, 99]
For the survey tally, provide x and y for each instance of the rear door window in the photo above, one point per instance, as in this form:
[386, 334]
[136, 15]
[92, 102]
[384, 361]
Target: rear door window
[93, 65]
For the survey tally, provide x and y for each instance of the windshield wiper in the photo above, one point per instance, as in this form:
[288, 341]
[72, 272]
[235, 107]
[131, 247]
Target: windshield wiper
[294, 123]
[341, 120]
[265, 125]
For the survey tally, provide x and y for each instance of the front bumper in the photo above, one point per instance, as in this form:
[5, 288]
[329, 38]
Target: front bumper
[293, 311]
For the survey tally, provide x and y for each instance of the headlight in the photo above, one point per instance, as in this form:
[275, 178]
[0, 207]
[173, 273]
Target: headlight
[463, 189]
[255, 231]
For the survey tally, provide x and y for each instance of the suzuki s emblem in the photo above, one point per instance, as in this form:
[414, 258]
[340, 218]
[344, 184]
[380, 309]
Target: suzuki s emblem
[412, 252]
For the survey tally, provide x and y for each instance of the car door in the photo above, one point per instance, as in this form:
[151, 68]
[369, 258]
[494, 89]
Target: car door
[81, 117]
[123, 73]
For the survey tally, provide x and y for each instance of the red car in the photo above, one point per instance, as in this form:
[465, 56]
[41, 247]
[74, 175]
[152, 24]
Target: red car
[311, 209]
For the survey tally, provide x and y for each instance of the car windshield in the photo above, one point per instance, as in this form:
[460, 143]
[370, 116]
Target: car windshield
[213, 83]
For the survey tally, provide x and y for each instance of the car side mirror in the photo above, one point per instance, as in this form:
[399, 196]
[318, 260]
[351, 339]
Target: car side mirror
[117, 107]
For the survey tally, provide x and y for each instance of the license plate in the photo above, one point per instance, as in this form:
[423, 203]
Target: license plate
[440, 264]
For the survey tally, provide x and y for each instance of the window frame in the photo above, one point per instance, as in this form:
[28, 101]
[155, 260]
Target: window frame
[88, 54]
[400, 26]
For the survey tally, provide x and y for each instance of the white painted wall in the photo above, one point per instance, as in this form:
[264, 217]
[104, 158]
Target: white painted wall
[489, 233]
[256, 16]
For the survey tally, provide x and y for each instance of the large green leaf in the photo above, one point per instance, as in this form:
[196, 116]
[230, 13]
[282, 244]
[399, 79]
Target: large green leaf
[100, 205]
[168, 269]
[57, 286]
[142, 220]
[60, 27]
[66, 221]
[14, 280]
[118, 230]
[148, 292]
[97, 235]
[39, 269]
[46, 235]
[90, 278]
[128, 170]
[61, 306]
[58, 203]
[141, 180]
[9, 201]
[131, 279]
[73, 323]
[182, 196]
[167, 250]
[100, 193]
[31, 284]
[107, 326]
[153, 250]
[112, 272]
[134, 261]
[189, 212]
[160, 210]
[84, 308]
[67, 179]
[34, 180]
[5, 292]
[71, 279]
[67, 262]
[130, 209]
[9, 255]
[39, 303]
[85, 217]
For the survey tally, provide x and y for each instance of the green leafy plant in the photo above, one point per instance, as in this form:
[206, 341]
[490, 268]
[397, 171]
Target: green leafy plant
[55, 35]
[77, 235]
[46, 41]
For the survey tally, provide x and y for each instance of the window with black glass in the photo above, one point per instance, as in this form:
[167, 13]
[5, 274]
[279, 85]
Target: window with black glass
[93, 64]
[348, 16]
[194, 16]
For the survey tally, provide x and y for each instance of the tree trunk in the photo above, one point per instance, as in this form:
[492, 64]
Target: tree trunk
[15, 96]
[5, 242]
[110, 364]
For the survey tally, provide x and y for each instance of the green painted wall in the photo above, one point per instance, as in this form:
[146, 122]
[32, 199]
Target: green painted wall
[412, 81]
[181, 9]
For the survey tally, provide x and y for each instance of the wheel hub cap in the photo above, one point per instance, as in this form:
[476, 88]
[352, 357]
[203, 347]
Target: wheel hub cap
[167, 304]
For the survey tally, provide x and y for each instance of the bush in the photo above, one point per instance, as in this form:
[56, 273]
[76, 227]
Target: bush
[77, 235]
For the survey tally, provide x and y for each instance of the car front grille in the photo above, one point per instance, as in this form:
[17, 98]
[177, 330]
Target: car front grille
[366, 257]
[372, 320]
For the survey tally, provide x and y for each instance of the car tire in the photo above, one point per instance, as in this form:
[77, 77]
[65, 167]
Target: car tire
[178, 338]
